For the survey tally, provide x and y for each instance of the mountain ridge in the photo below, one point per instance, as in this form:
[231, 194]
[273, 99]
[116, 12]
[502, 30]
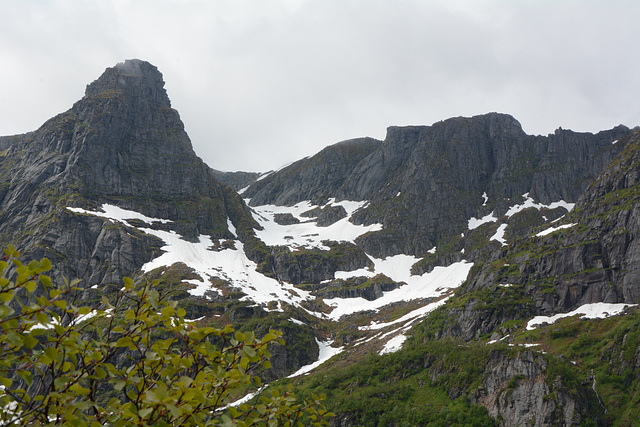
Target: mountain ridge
[404, 258]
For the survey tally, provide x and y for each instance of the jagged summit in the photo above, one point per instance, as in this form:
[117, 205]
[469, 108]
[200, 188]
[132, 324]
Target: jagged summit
[121, 144]
[134, 78]
[493, 124]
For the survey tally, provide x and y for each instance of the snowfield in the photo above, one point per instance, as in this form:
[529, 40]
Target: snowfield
[599, 310]
[307, 234]
[232, 265]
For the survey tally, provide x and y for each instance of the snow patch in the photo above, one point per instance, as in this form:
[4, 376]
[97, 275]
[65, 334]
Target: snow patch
[398, 268]
[307, 234]
[599, 310]
[529, 203]
[475, 222]
[552, 229]
[326, 353]
[499, 236]
[229, 264]
[394, 344]
[118, 214]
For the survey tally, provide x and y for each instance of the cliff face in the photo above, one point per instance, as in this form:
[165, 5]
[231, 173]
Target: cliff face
[425, 182]
[121, 144]
[592, 256]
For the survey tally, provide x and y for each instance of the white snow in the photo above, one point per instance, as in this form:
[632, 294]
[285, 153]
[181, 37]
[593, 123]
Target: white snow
[486, 198]
[407, 318]
[598, 310]
[326, 353]
[475, 222]
[307, 234]
[118, 214]
[529, 203]
[552, 229]
[499, 236]
[432, 250]
[233, 266]
[614, 141]
[394, 344]
[228, 264]
[432, 284]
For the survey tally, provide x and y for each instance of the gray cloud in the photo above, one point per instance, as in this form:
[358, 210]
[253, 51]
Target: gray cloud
[260, 84]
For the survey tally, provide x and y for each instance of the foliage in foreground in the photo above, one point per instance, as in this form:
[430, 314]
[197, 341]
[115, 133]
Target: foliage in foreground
[130, 360]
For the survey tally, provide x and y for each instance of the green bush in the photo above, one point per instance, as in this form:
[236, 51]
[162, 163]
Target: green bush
[129, 360]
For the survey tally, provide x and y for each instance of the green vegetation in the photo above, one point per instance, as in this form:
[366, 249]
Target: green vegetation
[129, 360]
[426, 384]
[606, 349]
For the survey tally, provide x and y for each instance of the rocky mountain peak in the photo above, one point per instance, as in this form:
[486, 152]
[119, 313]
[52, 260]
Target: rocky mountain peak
[135, 79]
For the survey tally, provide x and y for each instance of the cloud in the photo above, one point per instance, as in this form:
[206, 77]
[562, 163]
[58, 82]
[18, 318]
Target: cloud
[260, 84]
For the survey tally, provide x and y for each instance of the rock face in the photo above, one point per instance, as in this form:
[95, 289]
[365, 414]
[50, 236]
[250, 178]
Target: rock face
[517, 391]
[425, 182]
[594, 259]
[121, 144]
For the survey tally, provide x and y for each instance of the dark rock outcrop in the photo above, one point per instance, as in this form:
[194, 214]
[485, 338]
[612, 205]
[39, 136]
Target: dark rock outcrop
[594, 259]
[121, 144]
[517, 392]
[425, 182]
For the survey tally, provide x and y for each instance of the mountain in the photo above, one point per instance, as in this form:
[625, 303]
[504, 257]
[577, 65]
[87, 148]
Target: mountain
[424, 183]
[122, 144]
[436, 277]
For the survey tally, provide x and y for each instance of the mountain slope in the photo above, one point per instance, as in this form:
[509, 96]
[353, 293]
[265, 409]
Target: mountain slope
[422, 269]
[424, 183]
[121, 144]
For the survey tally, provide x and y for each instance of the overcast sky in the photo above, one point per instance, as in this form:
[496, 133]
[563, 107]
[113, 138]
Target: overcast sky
[261, 83]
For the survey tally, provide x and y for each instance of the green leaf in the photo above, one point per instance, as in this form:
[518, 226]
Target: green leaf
[45, 280]
[42, 318]
[31, 286]
[6, 296]
[126, 342]
[29, 341]
[144, 412]
[119, 385]
[51, 352]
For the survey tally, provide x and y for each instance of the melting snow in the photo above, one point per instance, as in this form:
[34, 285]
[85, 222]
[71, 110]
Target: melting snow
[232, 265]
[475, 222]
[394, 344]
[486, 198]
[499, 236]
[552, 229]
[118, 214]
[598, 310]
[227, 264]
[407, 318]
[326, 353]
[307, 233]
[433, 284]
[529, 203]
